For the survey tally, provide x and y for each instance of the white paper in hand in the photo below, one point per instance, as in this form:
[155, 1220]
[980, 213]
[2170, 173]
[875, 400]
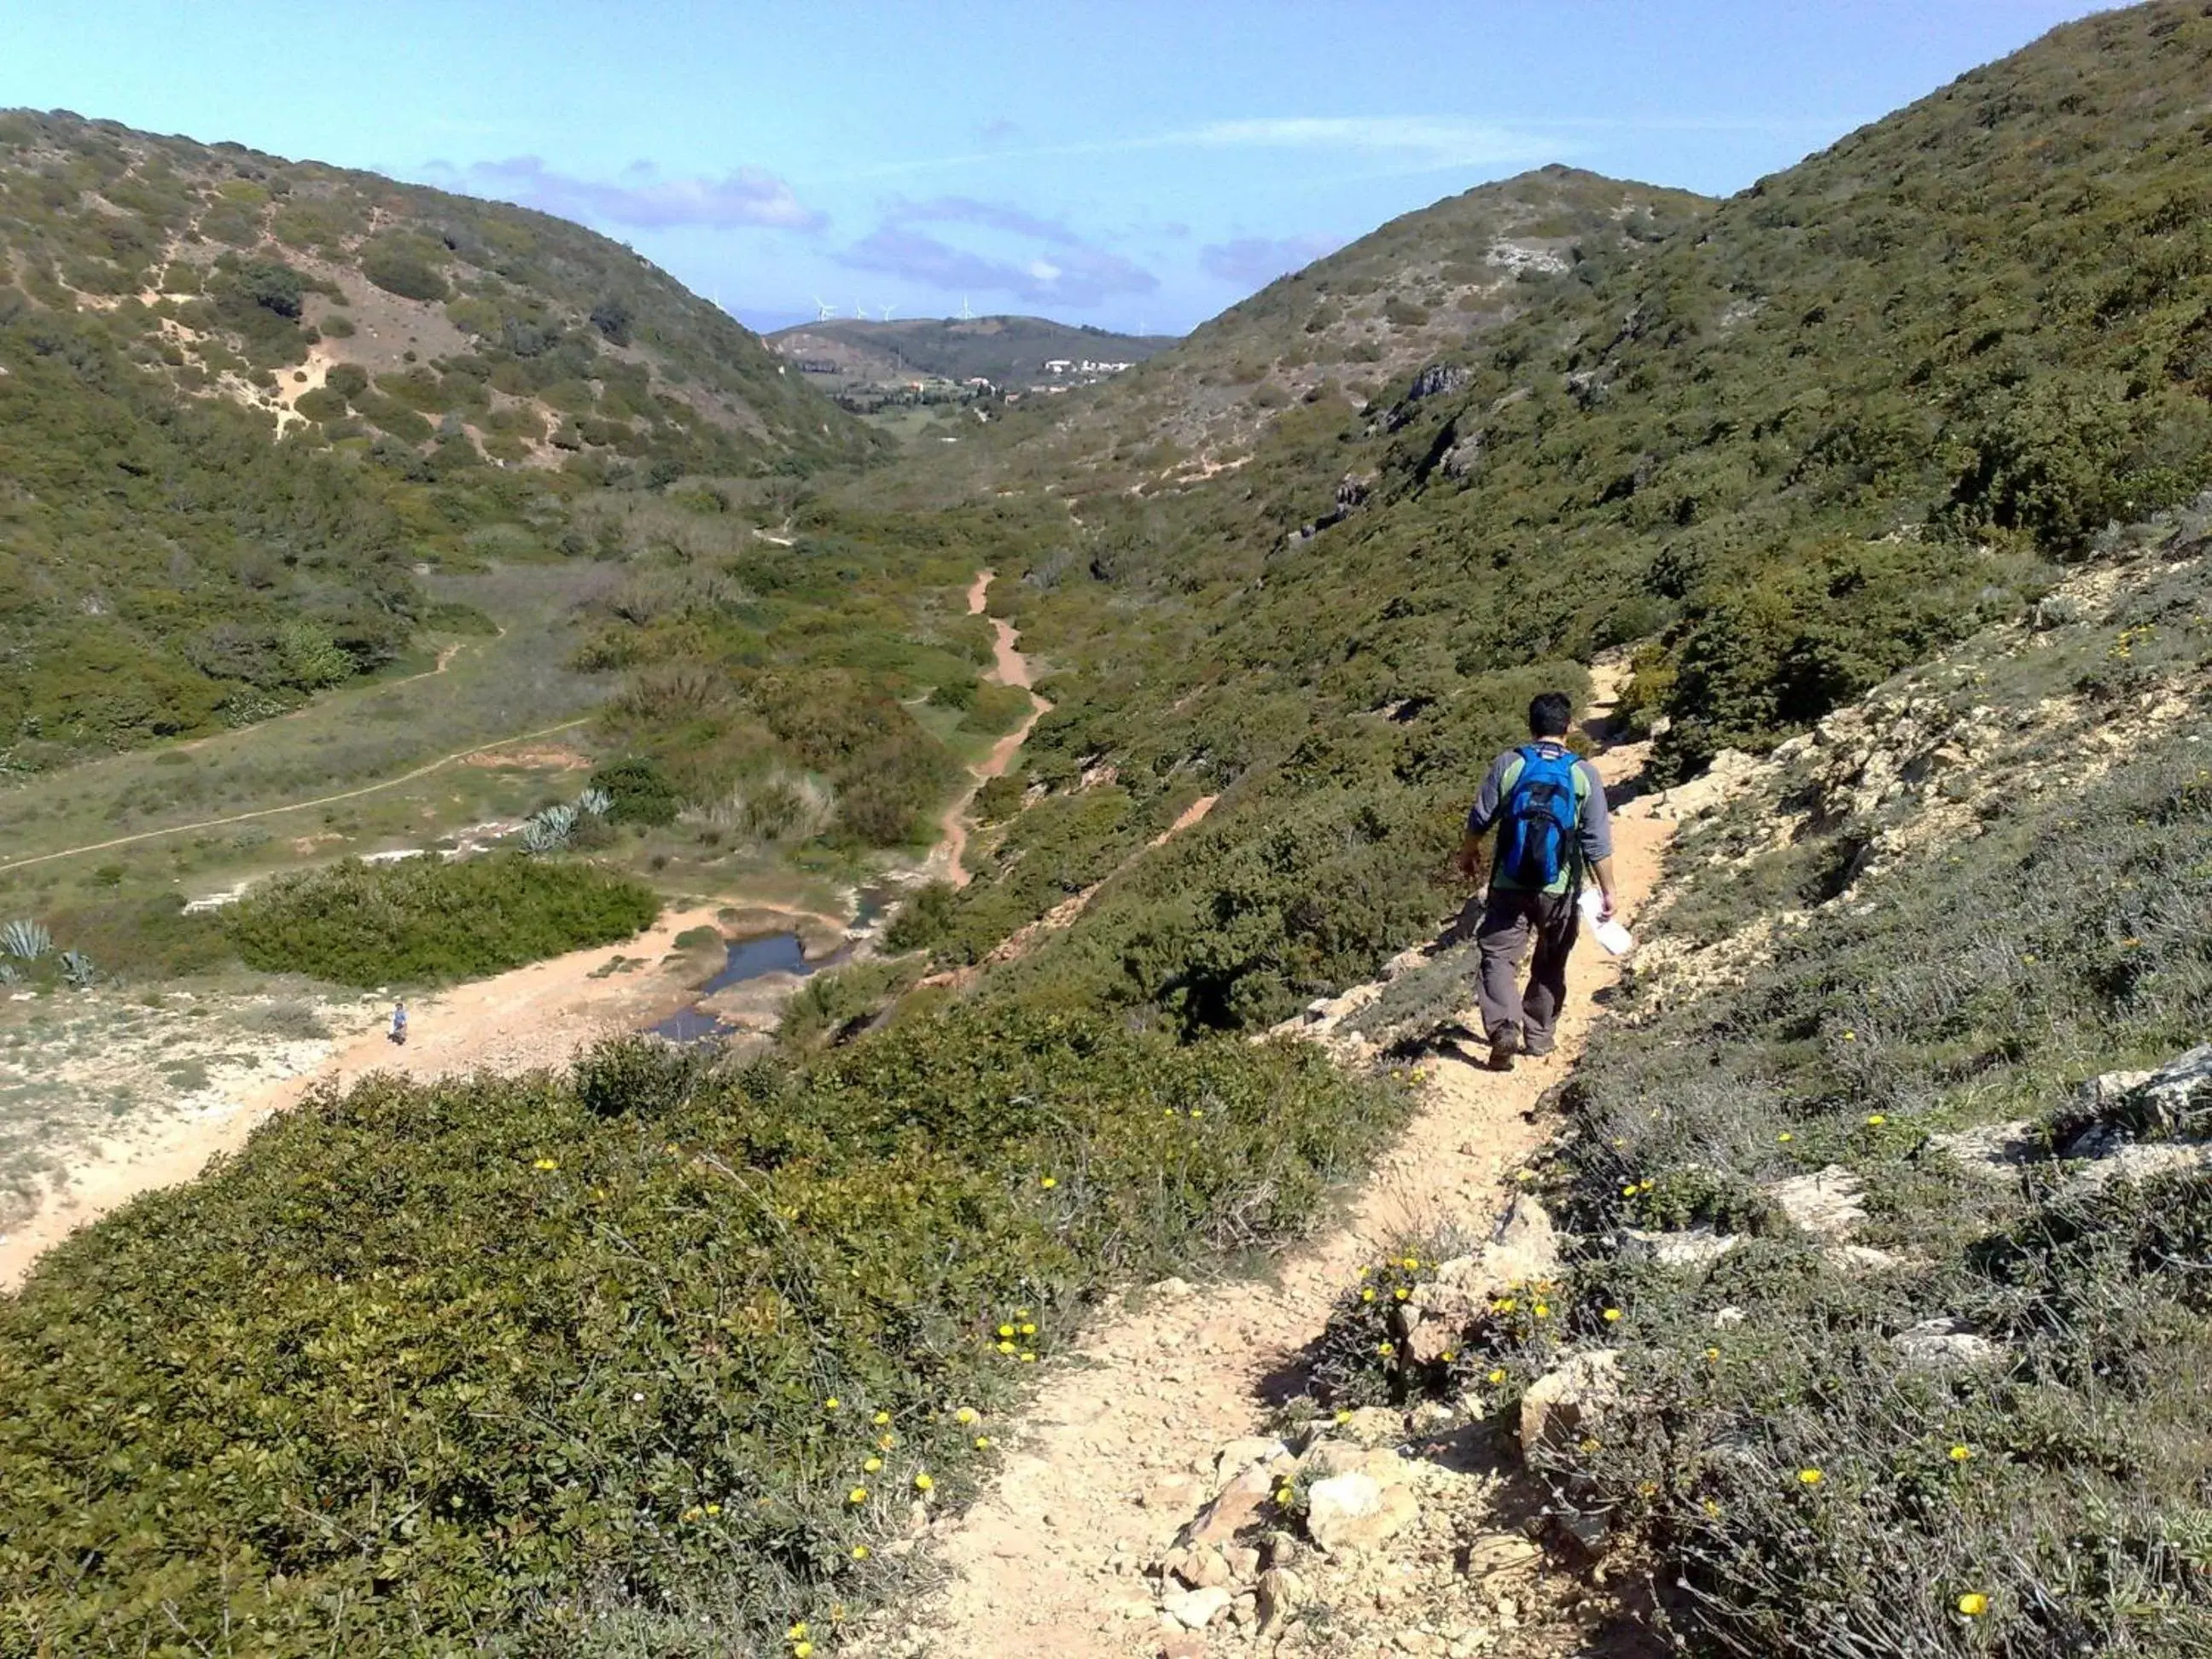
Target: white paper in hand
[1616, 939]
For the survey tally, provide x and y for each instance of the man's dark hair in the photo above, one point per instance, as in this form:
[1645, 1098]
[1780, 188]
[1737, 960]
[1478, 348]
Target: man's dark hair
[1549, 714]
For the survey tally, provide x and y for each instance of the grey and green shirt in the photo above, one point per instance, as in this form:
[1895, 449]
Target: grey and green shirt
[1595, 840]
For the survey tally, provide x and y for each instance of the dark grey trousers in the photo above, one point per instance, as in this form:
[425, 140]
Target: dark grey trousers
[1509, 921]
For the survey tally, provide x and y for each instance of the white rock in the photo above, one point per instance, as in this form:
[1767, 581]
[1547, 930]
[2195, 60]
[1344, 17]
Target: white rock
[1566, 1400]
[1696, 1248]
[1829, 1202]
[1195, 1609]
[1945, 1345]
[1356, 1512]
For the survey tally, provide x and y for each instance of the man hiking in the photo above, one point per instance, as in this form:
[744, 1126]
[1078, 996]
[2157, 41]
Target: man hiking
[1548, 807]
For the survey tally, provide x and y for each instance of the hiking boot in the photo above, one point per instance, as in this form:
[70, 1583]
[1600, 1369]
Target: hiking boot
[1536, 1049]
[1504, 1043]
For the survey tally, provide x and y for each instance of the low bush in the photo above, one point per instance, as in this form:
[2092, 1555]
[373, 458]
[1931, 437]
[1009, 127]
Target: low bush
[427, 921]
[499, 1365]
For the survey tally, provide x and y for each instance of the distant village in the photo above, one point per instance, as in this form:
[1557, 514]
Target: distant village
[863, 381]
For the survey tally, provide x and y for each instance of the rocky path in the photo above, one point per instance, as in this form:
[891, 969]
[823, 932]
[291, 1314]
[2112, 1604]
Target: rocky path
[1009, 667]
[1122, 1448]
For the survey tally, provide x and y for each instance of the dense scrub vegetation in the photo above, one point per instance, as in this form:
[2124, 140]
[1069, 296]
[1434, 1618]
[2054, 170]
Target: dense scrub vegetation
[427, 921]
[1810, 1488]
[191, 535]
[1787, 448]
[1806, 438]
[649, 1354]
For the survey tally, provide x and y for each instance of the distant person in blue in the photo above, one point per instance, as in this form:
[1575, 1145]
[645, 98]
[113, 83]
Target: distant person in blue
[1548, 808]
[400, 1022]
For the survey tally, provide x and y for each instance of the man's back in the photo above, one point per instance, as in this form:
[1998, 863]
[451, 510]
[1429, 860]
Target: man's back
[1593, 821]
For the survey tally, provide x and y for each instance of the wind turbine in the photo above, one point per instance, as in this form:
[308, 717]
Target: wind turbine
[886, 313]
[967, 315]
[822, 312]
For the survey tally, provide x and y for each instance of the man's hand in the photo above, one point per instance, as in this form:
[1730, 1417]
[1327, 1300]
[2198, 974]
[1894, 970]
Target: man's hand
[1470, 859]
[1608, 900]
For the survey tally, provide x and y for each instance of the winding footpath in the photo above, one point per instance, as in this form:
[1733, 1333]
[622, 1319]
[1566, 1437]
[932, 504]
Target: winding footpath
[1111, 1456]
[1009, 667]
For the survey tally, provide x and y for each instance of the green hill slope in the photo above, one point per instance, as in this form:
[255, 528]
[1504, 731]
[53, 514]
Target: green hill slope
[243, 396]
[1861, 410]
[1347, 324]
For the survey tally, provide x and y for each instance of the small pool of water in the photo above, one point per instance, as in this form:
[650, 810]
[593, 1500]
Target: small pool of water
[870, 902]
[745, 958]
[749, 959]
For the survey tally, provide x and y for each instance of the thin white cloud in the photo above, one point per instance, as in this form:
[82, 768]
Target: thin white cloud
[642, 199]
[1393, 144]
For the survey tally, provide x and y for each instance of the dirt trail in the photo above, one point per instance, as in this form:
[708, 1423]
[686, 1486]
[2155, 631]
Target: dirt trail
[1009, 667]
[1048, 1558]
[439, 764]
[538, 1015]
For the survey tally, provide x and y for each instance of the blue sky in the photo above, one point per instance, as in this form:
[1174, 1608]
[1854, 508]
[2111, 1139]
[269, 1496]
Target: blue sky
[1131, 164]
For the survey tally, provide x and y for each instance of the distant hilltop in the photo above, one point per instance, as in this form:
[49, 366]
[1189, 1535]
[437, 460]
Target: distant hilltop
[865, 358]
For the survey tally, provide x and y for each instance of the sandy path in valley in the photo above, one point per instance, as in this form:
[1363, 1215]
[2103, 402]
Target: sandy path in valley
[1009, 667]
[1154, 1392]
[538, 1015]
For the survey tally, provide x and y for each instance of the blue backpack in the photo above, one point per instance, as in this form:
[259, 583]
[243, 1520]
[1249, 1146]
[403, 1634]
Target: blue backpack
[1540, 819]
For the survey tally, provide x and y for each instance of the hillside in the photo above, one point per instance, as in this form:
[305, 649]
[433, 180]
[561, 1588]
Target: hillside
[1348, 325]
[1892, 468]
[1007, 351]
[245, 395]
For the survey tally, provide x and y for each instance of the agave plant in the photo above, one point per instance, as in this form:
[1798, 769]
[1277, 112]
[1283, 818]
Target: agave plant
[77, 969]
[26, 940]
[595, 802]
[548, 831]
[9, 973]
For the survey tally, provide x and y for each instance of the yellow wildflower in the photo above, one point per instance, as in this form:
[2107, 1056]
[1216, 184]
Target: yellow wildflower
[872, 1465]
[1498, 1376]
[1006, 1330]
[1028, 1330]
[547, 1164]
[964, 1416]
[858, 1495]
[1048, 1182]
[1029, 1359]
[1006, 1347]
[1809, 1477]
[831, 1403]
[1961, 1453]
[882, 1418]
[1876, 1120]
[1611, 1315]
[923, 1483]
[1785, 1137]
[1973, 1604]
[982, 1442]
[861, 1552]
[1542, 1310]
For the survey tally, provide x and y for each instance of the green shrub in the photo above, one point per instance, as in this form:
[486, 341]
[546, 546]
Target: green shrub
[497, 1365]
[428, 921]
[403, 273]
[640, 792]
